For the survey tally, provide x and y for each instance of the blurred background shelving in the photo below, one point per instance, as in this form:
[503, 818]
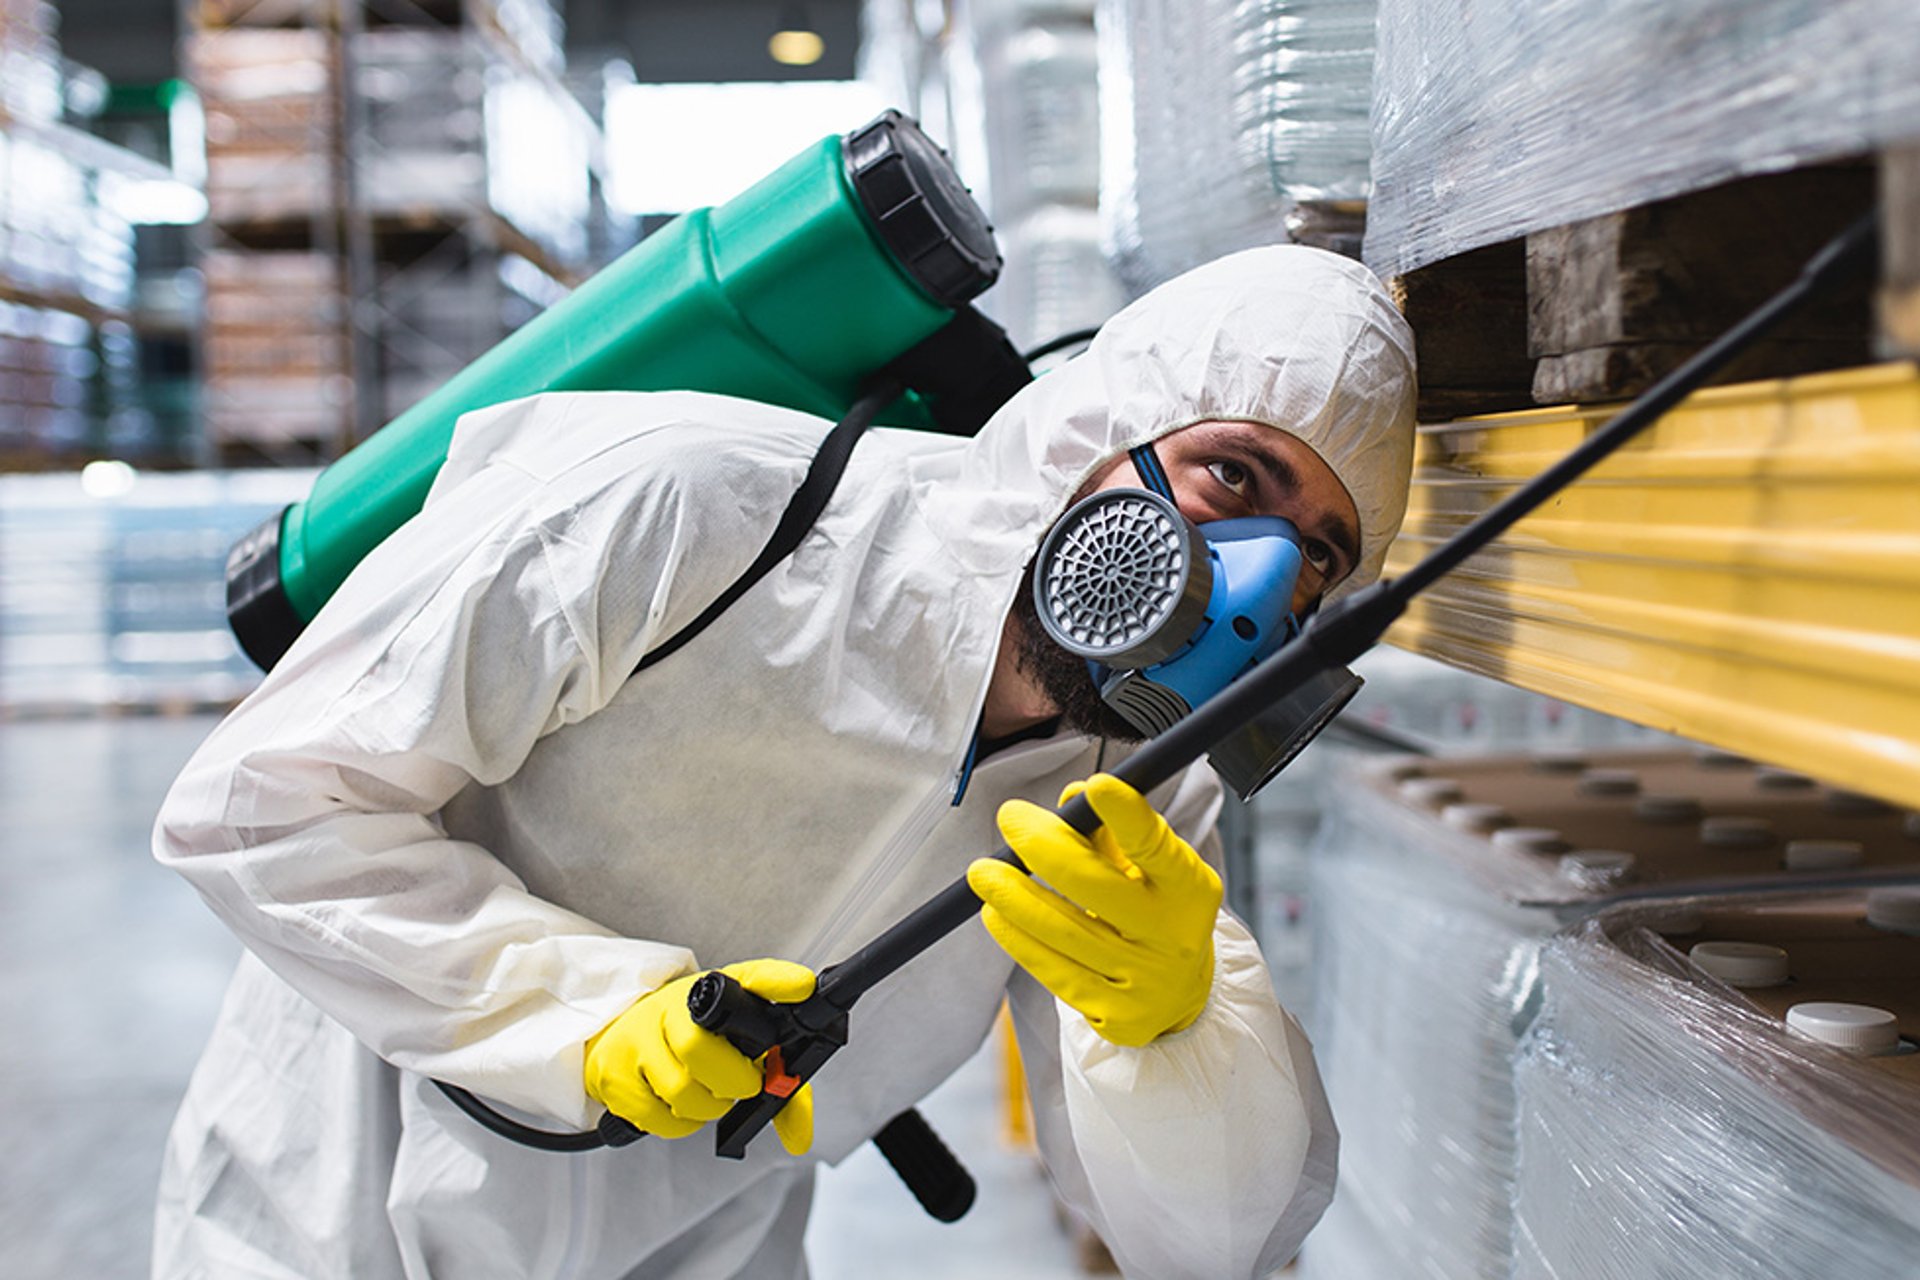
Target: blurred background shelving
[237, 236]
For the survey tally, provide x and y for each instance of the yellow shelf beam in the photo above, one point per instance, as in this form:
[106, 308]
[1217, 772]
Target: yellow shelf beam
[1746, 573]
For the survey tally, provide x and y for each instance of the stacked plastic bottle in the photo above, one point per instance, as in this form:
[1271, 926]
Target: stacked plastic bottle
[66, 261]
[1027, 71]
[29, 59]
[1670, 1125]
[1303, 85]
[1232, 123]
[1422, 981]
[1409, 702]
[110, 586]
[1435, 885]
[1502, 117]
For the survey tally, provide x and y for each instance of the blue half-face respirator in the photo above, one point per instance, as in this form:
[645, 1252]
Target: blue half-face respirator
[1168, 613]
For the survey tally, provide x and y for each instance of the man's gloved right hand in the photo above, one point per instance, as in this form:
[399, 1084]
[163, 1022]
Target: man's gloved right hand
[654, 1067]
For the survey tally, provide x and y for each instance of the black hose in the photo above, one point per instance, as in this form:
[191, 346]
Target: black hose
[514, 1131]
[1076, 338]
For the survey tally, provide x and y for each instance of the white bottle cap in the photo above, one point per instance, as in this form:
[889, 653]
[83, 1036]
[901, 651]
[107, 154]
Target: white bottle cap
[1596, 868]
[1431, 792]
[1741, 964]
[1656, 807]
[1559, 760]
[1771, 779]
[1609, 782]
[1852, 804]
[1734, 832]
[1895, 908]
[1529, 840]
[1856, 1028]
[1824, 855]
[1476, 817]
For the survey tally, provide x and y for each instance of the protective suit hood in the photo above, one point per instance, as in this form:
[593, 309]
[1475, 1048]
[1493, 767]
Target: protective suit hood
[1291, 337]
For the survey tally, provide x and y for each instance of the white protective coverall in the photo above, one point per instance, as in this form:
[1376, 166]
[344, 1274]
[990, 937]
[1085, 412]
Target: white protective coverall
[457, 839]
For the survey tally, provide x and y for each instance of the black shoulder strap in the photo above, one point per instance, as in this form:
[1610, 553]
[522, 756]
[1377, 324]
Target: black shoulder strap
[808, 501]
[938, 1180]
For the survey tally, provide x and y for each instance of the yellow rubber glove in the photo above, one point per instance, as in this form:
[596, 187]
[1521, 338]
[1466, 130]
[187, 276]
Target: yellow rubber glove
[654, 1067]
[1125, 933]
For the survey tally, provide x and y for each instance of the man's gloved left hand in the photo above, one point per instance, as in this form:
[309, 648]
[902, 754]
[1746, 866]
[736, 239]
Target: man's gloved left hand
[659, 1070]
[1125, 934]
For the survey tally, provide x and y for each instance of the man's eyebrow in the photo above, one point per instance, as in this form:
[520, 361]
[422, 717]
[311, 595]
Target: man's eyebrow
[1332, 527]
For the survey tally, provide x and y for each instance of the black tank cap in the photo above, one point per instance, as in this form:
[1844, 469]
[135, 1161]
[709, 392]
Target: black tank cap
[922, 210]
[262, 618]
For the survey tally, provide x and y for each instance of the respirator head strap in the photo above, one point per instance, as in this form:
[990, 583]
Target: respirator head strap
[1153, 476]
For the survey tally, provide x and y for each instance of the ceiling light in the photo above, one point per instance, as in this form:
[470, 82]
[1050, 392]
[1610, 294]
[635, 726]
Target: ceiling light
[796, 43]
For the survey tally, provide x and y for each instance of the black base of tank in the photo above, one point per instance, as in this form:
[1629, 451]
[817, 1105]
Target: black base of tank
[262, 618]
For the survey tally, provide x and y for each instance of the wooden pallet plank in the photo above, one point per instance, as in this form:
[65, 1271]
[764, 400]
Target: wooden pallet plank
[1899, 298]
[1469, 318]
[1616, 301]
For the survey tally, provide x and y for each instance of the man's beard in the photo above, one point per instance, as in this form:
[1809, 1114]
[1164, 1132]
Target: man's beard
[1064, 678]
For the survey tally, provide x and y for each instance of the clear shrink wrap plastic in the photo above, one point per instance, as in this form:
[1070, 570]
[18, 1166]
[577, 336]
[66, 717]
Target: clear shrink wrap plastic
[1423, 981]
[421, 93]
[117, 601]
[1302, 90]
[1231, 123]
[1494, 118]
[64, 243]
[893, 56]
[1410, 703]
[1035, 71]
[1043, 118]
[1173, 188]
[452, 127]
[1056, 279]
[1668, 1128]
[30, 60]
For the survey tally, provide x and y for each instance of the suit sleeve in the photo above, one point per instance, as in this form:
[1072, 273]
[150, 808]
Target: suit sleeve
[1208, 1153]
[308, 819]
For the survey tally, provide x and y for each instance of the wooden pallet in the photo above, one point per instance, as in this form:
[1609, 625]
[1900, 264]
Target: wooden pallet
[1899, 297]
[1601, 309]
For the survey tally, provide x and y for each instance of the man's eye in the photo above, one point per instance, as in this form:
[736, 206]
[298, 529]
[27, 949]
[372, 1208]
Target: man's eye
[1230, 473]
[1319, 555]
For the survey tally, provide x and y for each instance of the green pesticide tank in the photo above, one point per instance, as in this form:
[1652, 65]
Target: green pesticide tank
[796, 292]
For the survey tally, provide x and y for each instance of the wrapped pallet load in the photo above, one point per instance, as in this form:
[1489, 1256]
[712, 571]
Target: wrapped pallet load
[1725, 1090]
[1231, 123]
[1496, 118]
[1423, 978]
[1028, 73]
[1434, 886]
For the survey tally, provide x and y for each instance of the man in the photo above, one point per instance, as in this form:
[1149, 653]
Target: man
[460, 843]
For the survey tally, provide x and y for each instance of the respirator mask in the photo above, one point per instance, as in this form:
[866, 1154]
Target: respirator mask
[1168, 613]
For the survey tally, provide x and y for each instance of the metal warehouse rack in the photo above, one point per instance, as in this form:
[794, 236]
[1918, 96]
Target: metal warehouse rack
[362, 246]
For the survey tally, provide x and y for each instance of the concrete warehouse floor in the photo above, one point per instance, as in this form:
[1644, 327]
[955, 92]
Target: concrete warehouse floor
[110, 973]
